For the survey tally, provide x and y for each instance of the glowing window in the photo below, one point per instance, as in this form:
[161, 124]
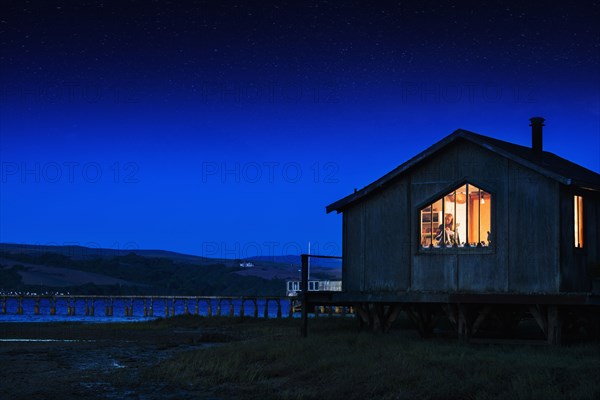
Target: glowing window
[578, 219]
[460, 218]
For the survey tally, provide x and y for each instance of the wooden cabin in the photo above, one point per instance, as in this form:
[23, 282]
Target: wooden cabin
[473, 220]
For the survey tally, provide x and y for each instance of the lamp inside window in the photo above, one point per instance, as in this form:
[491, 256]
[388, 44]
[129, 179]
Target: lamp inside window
[460, 218]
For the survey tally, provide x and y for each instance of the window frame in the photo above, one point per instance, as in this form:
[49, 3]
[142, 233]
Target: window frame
[490, 249]
[577, 249]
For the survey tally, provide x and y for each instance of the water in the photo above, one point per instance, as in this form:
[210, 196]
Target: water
[138, 310]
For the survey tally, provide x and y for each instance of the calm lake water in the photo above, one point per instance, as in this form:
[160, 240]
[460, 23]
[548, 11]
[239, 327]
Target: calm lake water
[138, 310]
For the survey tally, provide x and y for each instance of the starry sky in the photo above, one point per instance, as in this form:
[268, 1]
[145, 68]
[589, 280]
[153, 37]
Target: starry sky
[224, 128]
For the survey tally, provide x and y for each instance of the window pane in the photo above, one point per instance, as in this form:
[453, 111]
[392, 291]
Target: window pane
[460, 217]
[450, 235]
[485, 218]
[473, 215]
[426, 226]
[436, 209]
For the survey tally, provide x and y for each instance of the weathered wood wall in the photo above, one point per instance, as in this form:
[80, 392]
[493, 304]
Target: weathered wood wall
[576, 264]
[381, 231]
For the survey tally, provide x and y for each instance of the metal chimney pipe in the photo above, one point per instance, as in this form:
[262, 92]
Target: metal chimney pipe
[536, 133]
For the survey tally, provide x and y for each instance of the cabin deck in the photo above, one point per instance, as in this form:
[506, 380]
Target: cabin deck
[556, 314]
[349, 298]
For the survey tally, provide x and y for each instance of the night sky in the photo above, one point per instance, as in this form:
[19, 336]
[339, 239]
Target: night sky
[224, 128]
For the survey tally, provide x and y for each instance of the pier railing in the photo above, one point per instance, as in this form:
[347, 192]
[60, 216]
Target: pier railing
[151, 306]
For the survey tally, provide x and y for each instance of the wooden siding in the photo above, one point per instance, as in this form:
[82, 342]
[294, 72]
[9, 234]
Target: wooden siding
[465, 270]
[353, 263]
[533, 245]
[576, 264]
[381, 248]
[387, 241]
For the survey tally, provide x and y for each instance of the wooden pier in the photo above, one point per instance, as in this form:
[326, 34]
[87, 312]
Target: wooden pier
[151, 306]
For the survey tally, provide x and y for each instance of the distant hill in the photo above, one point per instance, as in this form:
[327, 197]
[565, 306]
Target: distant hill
[88, 270]
[297, 260]
[82, 252]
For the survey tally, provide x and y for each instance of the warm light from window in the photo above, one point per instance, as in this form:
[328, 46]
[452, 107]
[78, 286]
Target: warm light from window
[460, 218]
[578, 220]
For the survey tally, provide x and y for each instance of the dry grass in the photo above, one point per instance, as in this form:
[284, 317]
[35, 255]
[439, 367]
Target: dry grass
[268, 360]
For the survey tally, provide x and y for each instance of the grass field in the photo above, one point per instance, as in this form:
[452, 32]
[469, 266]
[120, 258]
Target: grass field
[268, 360]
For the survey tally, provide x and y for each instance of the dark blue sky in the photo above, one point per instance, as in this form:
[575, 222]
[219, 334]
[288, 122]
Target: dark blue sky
[223, 128]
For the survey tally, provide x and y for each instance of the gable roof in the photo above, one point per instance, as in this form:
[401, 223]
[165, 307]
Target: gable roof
[546, 163]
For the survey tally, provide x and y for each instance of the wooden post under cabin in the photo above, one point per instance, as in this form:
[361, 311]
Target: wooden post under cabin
[555, 325]
[36, 307]
[304, 294]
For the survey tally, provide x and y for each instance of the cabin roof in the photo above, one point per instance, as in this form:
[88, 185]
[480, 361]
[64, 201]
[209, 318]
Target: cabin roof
[544, 162]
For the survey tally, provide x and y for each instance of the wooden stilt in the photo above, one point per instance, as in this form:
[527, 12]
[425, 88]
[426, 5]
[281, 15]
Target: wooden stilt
[231, 310]
[376, 317]
[278, 308]
[464, 330]
[480, 319]
[266, 313]
[255, 308]
[541, 317]
[422, 317]
[52, 306]
[362, 314]
[393, 312]
[304, 294]
[242, 309]
[555, 325]
[36, 307]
